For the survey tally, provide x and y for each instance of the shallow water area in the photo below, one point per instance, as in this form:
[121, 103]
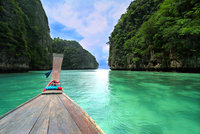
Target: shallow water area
[121, 102]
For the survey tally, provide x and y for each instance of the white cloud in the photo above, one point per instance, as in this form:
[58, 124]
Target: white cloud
[93, 23]
[105, 48]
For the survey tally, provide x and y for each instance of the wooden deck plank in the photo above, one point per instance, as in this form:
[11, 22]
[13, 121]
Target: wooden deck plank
[17, 111]
[41, 125]
[22, 120]
[81, 118]
[60, 119]
[11, 111]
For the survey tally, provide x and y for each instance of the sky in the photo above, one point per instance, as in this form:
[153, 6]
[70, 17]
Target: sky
[90, 22]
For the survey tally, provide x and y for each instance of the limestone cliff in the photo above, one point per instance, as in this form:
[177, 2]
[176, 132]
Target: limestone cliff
[14, 55]
[24, 36]
[158, 35]
[38, 33]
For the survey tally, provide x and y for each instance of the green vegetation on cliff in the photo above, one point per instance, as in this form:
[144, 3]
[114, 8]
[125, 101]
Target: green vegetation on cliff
[13, 40]
[157, 35]
[75, 57]
[24, 35]
[38, 34]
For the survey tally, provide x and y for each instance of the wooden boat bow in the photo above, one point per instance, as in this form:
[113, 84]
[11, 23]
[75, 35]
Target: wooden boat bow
[51, 112]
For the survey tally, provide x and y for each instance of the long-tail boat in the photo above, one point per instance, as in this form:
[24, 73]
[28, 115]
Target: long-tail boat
[51, 112]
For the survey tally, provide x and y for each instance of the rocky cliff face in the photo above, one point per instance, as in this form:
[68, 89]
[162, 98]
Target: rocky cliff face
[13, 40]
[38, 34]
[24, 36]
[75, 57]
[158, 35]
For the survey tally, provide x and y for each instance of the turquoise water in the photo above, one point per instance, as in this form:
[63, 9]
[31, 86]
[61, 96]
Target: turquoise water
[121, 102]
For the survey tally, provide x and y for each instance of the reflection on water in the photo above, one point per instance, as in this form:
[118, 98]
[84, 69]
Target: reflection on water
[121, 102]
[89, 89]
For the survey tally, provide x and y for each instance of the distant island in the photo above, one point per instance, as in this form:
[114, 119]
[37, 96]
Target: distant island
[75, 57]
[160, 35]
[26, 43]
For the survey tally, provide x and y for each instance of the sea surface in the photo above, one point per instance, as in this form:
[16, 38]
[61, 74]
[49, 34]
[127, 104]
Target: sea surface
[121, 102]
